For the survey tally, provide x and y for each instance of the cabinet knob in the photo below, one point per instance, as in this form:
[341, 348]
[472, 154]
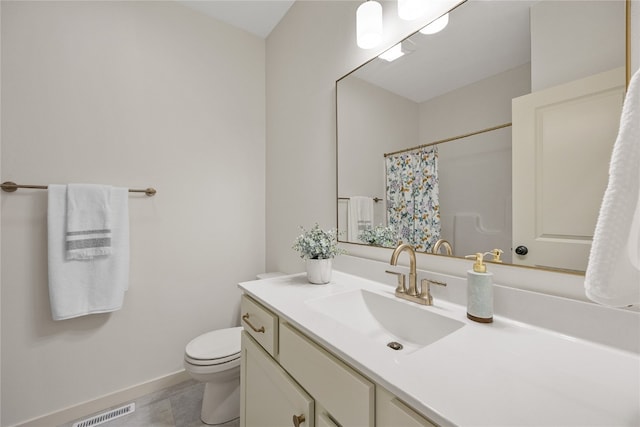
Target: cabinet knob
[522, 250]
[298, 419]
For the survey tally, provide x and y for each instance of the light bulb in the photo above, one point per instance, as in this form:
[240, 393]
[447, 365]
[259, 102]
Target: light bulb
[369, 24]
[437, 25]
[411, 9]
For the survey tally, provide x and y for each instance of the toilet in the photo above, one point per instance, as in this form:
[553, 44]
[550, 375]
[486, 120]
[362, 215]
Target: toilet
[214, 359]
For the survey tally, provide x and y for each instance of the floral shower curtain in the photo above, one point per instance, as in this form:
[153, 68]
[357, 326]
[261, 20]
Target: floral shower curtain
[413, 209]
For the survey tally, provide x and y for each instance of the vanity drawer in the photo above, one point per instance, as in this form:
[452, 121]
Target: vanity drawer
[346, 395]
[260, 323]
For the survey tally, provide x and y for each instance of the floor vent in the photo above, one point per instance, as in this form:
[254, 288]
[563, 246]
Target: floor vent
[106, 416]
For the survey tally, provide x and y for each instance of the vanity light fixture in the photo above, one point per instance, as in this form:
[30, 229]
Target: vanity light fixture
[369, 24]
[411, 9]
[436, 26]
[392, 54]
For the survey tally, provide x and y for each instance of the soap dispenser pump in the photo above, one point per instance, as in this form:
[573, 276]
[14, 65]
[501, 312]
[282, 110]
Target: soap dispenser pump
[479, 290]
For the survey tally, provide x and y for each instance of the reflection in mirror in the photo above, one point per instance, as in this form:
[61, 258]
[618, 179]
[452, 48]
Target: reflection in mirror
[493, 133]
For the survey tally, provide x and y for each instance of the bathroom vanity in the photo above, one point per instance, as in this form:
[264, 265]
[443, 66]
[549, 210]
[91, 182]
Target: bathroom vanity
[323, 355]
[304, 384]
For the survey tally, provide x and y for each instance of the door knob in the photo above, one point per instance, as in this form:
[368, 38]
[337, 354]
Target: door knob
[298, 419]
[522, 250]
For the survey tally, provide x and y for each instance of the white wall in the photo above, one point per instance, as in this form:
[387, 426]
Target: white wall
[373, 121]
[131, 94]
[474, 107]
[572, 39]
[378, 122]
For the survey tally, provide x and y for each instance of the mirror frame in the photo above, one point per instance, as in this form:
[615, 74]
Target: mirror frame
[627, 66]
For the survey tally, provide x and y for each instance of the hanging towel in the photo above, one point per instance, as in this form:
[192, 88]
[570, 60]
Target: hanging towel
[360, 216]
[81, 287]
[613, 272]
[88, 232]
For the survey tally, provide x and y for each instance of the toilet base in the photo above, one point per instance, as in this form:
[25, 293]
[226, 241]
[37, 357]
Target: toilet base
[221, 402]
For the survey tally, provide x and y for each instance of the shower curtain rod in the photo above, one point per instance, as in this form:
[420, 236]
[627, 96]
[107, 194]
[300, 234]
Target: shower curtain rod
[10, 187]
[449, 139]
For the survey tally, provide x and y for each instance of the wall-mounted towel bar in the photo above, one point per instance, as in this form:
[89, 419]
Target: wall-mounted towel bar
[10, 187]
[375, 199]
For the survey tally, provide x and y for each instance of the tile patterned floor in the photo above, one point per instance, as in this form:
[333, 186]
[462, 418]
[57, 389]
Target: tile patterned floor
[177, 406]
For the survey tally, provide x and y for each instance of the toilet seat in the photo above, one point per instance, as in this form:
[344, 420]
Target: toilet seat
[214, 348]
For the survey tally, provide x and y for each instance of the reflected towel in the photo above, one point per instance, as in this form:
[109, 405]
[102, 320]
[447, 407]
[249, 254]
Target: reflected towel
[360, 216]
[88, 232]
[613, 272]
[80, 287]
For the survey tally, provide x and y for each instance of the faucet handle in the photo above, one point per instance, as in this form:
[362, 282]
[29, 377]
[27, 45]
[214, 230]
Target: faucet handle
[400, 289]
[425, 289]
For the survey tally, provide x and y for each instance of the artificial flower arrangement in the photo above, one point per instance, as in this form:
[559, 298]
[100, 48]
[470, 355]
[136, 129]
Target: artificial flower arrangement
[318, 243]
[380, 235]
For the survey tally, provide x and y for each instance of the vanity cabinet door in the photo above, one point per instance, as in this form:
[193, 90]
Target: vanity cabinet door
[391, 412]
[269, 396]
[345, 394]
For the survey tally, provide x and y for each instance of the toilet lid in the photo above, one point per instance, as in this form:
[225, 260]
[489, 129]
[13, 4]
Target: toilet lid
[215, 344]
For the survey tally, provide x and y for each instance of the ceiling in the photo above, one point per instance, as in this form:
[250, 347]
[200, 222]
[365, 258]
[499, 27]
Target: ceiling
[258, 17]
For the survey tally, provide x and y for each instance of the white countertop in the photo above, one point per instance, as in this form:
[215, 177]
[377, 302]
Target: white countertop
[501, 374]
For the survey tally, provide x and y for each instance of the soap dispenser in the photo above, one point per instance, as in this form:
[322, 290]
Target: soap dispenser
[479, 291]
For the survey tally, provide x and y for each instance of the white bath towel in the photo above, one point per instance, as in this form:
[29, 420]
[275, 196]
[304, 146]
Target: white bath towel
[613, 272]
[360, 216]
[81, 287]
[88, 232]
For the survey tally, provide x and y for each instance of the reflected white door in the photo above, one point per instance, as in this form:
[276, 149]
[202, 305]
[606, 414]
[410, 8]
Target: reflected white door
[562, 142]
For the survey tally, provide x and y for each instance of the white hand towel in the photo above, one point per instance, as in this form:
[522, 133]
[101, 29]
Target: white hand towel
[360, 216]
[80, 287]
[613, 272]
[88, 231]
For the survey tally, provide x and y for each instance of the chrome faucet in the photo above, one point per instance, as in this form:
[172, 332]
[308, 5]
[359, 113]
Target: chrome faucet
[411, 294]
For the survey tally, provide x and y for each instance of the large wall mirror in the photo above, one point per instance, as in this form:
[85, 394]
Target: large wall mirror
[493, 133]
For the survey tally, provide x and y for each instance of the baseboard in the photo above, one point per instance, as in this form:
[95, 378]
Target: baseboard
[107, 401]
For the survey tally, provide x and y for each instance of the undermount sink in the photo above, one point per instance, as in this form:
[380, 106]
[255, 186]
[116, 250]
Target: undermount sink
[386, 320]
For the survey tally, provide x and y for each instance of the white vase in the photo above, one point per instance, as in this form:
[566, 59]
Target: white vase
[319, 271]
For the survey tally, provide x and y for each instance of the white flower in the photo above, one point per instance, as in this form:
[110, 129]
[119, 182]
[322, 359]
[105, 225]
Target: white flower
[379, 236]
[317, 243]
